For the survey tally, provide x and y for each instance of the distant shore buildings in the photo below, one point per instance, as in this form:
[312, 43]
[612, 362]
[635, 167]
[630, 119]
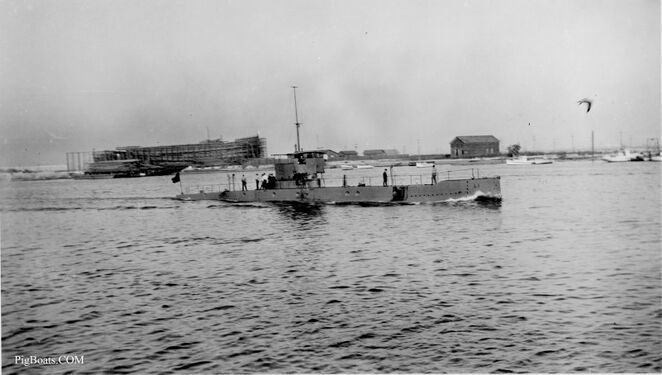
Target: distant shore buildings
[347, 153]
[130, 161]
[133, 161]
[472, 146]
[380, 153]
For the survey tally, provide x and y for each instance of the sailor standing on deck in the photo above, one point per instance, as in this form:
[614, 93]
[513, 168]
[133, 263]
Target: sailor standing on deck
[243, 183]
[264, 181]
[434, 175]
[385, 175]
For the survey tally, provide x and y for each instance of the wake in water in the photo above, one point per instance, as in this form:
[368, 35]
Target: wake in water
[100, 204]
[478, 198]
[46, 209]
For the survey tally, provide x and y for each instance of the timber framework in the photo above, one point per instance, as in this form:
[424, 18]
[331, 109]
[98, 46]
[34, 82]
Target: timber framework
[206, 153]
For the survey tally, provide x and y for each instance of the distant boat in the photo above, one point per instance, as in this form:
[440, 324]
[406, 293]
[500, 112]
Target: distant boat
[623, 155]
[346, 167]
[422, 164]
[524, 160]
[364, 166]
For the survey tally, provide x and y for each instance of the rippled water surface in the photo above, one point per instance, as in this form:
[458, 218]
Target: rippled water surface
[563, 276]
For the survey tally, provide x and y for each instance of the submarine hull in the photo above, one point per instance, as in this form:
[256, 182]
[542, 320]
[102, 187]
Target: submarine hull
[474, 188]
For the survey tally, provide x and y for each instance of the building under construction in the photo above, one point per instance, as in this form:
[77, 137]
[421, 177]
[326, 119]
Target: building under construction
[134, 161]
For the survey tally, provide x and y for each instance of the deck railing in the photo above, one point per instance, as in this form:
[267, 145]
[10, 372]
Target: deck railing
[233, 184]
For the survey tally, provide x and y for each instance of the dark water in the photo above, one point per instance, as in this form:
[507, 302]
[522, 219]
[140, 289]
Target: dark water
[564, 276]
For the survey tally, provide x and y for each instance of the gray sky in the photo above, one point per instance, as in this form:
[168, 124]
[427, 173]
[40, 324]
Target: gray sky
[78, 75]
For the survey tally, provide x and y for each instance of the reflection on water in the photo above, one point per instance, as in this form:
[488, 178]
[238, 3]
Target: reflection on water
[302, 216]
[300, 211]
[562, 276]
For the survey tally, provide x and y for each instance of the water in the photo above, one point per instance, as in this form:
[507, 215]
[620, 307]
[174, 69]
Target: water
[564, 276]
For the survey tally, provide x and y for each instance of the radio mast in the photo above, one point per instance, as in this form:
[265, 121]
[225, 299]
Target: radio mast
[296, 117]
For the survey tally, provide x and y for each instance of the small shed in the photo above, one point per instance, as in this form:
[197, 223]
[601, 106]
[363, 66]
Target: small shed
[330, 153]
[380, 153]
[472, 146]
[347, 153]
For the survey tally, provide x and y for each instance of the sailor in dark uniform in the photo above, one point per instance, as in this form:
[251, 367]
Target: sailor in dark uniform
[385, 175]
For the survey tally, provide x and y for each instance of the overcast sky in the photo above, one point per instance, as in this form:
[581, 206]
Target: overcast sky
[97, 74]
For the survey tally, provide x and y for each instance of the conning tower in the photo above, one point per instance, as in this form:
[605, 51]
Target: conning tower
[300, 169]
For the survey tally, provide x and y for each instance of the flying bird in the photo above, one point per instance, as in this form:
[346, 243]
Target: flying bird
[588, 103]
[54, 136]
